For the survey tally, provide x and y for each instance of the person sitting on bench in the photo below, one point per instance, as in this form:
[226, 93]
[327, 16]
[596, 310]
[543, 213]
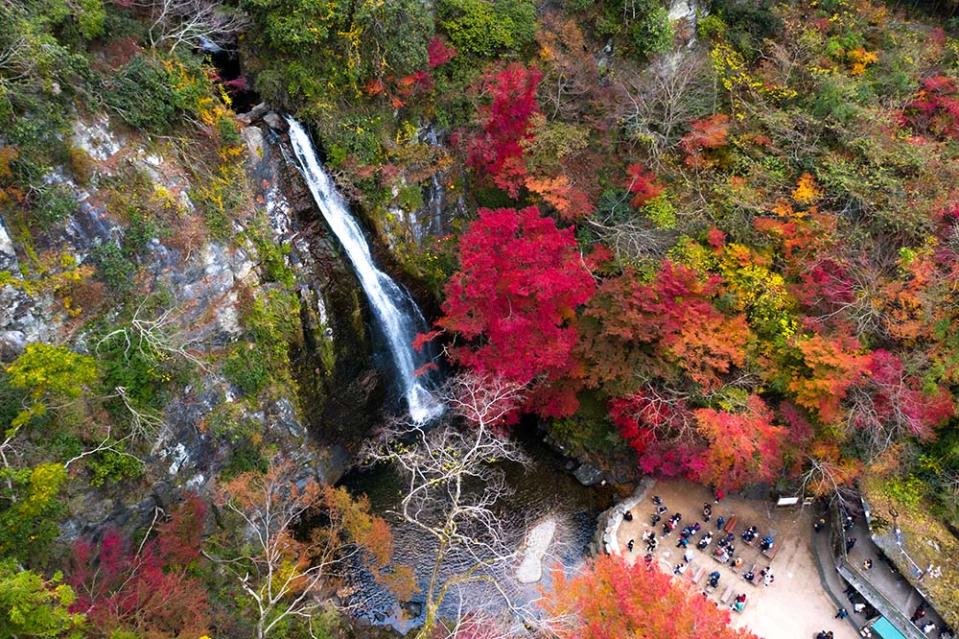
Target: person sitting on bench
[740, 602]
[766, 543]
[749, 576]
[749, 534]
[714, 579]
[704, 541]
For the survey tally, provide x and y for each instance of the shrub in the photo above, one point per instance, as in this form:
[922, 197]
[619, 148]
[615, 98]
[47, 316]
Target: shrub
[113, 267]
[113, 465]
[29, 525]
[247, 369]
[31, 606]
[660, 212]
[49, 372]
[150, 93]
[55, 204]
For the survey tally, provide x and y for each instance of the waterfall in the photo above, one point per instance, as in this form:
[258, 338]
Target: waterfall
[396, 313]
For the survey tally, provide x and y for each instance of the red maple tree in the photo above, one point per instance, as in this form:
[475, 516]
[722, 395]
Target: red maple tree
[742, 447]
[671, 323]
[520, 281]
[642, 184]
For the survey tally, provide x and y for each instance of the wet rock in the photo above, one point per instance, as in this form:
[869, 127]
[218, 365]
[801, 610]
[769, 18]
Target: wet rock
[588, 475]
[253, 114]
[412, 608]
[12, 343]
[255, 143]
[96, 138]
[274, 121]
[8, 255]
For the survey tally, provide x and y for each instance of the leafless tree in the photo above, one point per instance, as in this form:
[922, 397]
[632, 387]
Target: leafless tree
[470, 542]
[662, 99]
[192, 23]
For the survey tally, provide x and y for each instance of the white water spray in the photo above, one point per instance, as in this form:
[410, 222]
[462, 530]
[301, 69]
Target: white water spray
[386, 297]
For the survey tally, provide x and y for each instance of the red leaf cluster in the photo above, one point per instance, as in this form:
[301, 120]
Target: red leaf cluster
[705, 135]
[675, 315]
[935, 109]
[612, 600]
[149, 590]
[497, 150]
[438, 52]
[642, 184]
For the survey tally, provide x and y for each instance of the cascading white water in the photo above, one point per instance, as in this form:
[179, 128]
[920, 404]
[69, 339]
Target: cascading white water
[387, 299]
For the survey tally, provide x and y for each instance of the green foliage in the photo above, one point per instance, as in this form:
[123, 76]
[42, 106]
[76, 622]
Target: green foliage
[141, 94]
[31, 606]
[660, 212]
[588, 434]
[245, 457]
[28, 525]
[652, 33]
[908, 491]
[54, 204]
[113, 465]
[114, 268]
[642, 25]
[91, 18]
[486, 28]
[12, 398]
[151, 92]
[711, 27]
[246, 369]
[748, 24]
[272, 323]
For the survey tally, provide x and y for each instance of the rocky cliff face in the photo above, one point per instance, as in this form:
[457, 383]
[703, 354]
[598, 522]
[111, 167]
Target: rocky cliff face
[205, 282]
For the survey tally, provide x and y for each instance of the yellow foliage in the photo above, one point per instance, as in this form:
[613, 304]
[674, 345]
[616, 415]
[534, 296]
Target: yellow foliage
[806, 191]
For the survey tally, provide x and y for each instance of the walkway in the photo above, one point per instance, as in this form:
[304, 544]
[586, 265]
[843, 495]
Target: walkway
[883, 585]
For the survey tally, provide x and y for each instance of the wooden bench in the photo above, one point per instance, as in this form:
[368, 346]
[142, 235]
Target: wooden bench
[730, 526]
[700, 573]
[771, 553]
[727, 595]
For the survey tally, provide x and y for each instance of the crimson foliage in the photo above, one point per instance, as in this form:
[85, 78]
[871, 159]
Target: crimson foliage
[520, 281]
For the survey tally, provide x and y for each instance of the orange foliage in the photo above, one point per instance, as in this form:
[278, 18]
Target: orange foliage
[558, 192]
[705, 135]
[611, 600]
[831, 366]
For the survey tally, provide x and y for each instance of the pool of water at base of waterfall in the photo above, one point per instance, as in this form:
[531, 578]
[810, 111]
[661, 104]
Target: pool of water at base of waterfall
[543, 490]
